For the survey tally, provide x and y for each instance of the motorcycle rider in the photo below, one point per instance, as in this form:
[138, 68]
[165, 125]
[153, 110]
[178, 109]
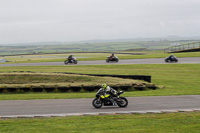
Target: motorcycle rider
[171, 57]
[70, 58]
[107, 90]
[112, 56]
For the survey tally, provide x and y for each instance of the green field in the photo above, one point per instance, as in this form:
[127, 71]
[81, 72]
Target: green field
[146, 123]
[90, 46]
[174, 79]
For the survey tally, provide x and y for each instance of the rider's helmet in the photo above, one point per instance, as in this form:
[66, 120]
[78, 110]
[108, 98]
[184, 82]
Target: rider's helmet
[104, 86]
[112, 54]
[172, 55]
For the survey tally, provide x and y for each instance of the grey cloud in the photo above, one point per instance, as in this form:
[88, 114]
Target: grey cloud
[74, 20]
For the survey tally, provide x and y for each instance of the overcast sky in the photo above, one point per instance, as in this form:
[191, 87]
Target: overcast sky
[24, 21]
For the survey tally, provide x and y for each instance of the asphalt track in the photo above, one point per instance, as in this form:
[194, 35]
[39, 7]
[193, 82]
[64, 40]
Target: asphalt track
[84, 105]
[103, 62]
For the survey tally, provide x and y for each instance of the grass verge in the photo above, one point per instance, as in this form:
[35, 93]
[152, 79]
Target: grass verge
[158, 123]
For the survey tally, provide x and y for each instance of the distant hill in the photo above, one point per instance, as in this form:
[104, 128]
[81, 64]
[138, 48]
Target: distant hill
[135, 44]
[168, 38]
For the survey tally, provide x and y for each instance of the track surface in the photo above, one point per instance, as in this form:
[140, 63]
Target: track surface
[60, 106]
[102, 62]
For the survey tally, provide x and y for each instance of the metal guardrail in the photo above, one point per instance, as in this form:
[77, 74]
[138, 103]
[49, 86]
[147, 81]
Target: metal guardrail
[183, 47]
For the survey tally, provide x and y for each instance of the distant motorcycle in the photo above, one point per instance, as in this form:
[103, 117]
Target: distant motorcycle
[98, 102]
[71, 61]
[115, 58]
[172, 59]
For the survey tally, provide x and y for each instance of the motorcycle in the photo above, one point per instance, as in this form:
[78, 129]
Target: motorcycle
[71, 61]
[99, 101]
[115, 58]
[172, 59]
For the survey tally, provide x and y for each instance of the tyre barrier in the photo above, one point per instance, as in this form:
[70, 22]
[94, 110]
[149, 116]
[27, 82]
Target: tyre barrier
[65, 89]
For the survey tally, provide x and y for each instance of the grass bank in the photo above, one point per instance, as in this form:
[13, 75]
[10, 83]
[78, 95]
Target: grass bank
[158, 123]
[56, 82]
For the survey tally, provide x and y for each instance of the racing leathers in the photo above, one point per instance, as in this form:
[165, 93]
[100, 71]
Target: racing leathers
[70, 58]
[107, 93]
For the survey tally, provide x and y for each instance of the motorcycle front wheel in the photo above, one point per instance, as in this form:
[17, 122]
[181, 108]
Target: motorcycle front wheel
[123, 102]
[66, 62]
[97, 103]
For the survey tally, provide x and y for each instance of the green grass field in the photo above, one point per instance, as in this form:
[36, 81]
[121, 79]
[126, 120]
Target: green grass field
[145, 123]
[177, 79]
[94, 46]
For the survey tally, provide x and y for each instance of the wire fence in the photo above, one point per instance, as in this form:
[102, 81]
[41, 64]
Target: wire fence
[183, 47]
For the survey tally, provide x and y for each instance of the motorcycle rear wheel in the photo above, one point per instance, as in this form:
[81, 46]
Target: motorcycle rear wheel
[97, 103]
